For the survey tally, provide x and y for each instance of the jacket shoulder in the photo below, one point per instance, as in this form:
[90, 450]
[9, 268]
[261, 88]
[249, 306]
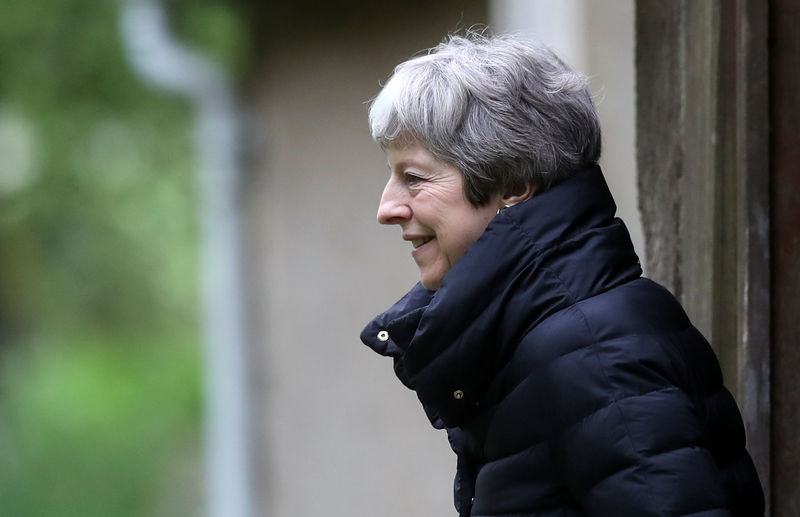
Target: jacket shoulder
[628, 397]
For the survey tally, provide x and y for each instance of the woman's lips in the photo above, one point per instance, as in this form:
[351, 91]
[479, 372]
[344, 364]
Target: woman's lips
[419, 242]
[420, 245]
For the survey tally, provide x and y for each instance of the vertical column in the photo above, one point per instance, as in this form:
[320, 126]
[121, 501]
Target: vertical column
[784, 148]
[558, 24]
[702, 126]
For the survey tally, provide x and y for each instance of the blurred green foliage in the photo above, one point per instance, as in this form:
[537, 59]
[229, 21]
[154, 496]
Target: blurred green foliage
[103, 426]
[99, 355]
[215, 27]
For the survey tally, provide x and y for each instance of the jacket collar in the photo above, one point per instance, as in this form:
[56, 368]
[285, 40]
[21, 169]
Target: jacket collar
[535, 258]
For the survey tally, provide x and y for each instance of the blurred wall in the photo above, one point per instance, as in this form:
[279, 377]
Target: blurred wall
[339, 434]
[336, 433]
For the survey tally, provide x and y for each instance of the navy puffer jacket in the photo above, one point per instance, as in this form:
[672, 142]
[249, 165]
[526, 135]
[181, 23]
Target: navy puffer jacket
[569, 385]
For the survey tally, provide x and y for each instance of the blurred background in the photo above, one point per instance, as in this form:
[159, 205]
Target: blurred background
[188, 249]
[100, 366]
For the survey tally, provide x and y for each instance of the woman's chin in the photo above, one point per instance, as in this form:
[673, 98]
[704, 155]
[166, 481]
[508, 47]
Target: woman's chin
[431, 282]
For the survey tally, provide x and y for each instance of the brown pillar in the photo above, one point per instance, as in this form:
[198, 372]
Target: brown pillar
[784, 79]
[702, 151]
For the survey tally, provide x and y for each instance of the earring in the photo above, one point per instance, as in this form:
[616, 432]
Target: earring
[502, 208]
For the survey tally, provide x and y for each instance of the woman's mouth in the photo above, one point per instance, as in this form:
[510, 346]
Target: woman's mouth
[419, 242]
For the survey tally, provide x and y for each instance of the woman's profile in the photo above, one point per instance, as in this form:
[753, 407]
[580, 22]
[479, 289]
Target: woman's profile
[568, 384]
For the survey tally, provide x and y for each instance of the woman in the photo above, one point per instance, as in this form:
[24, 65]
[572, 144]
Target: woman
[568, 384]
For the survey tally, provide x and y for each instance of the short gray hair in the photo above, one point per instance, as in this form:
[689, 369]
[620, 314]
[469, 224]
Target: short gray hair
[505, 111]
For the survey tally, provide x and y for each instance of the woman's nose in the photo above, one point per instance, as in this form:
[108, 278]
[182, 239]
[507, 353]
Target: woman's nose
[394, 208]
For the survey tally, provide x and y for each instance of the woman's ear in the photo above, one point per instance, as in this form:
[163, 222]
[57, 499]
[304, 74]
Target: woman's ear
[518, 195]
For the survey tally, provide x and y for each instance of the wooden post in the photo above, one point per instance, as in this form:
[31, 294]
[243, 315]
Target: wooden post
[702, 127]
[784, 78]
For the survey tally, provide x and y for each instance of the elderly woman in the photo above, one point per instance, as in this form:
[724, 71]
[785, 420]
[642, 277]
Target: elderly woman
[569, 385]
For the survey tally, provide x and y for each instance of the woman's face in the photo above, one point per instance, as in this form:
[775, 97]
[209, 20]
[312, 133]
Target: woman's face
[425, 197]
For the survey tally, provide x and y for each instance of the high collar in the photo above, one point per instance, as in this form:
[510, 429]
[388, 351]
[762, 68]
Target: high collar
[535, 258]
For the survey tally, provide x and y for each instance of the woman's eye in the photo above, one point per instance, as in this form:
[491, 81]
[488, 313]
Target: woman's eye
[413, 179]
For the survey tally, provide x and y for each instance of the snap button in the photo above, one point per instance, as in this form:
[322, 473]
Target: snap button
[383, 336]
[458, 394]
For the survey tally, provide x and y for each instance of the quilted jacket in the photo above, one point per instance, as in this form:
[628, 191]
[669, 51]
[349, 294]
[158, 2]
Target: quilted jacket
[569, 385]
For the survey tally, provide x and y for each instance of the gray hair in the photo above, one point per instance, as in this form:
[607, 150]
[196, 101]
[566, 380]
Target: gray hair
[507, 112]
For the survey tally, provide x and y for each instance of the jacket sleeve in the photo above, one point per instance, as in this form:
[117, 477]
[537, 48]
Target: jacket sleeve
[629, 437]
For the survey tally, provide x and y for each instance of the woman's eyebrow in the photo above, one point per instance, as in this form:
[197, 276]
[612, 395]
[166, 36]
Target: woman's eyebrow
[402, 164]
